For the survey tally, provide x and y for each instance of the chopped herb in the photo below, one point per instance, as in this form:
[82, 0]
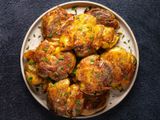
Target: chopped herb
[123, 36]
[30, 79]
[87, 9]
[91, 61]
[49, 79]
[27, 48]
[128, 41]
[119, 33]
[125, 42]
[61, 68]
[78, 102]
[39, 36]
[91, 38]
[57, 61]
[39, 27]
[29, 39]
[74, 71]
[45, 59]
[74, 8]
[45, 49]
[69, 65]
[61, 58]
[50, 35]
[52, 85]
[126, 77]
[34, 35]
[31, 62]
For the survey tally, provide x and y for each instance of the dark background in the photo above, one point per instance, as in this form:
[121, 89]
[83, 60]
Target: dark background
[142, 103]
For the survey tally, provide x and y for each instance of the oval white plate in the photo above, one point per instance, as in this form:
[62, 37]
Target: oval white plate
[127, 41]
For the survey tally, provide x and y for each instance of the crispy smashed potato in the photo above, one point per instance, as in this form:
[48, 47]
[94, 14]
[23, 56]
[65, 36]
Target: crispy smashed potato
[52, 63]
[104, 17]
[94, 75]
[53, 22]
[65, 99]
[124, 65]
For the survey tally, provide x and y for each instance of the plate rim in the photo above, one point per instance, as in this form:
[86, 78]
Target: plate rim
[76, 2]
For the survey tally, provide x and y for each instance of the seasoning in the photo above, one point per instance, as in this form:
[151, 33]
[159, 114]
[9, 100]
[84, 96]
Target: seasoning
[45, 59]
[34, 35]
[91, 38]
[50, 35]
[125, 42]
[31, 62]
[61, 58]
[91, 61]
[30, 78]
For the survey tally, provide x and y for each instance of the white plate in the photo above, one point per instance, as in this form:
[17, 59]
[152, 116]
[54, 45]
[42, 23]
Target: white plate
[128, 41]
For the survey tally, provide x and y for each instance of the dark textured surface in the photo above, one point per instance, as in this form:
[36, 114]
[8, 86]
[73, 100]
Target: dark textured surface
[142, 103]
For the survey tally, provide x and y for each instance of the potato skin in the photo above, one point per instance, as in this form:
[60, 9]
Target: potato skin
[104, 17]
[53, 63]
[65, 99]
[124, 65]
[94, 75]
[53, 22]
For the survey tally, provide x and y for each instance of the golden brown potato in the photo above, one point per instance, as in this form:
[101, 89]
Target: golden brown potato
[94, 75]
[30, 69]
[54, 22]
[85, 37]
[82, 33]
[124, 65]
[53, 63]
[65, 99]
[104, 17]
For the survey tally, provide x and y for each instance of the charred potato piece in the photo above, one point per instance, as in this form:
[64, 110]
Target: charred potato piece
[124, 64]
[94, 75]
[104, 17]
[53, 22]
[64, 99]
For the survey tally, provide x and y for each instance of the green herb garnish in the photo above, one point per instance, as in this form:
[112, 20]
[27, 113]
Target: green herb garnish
[45, 59]
[30, 79]
[74, 71]
[91, 38]
[50, 35]
[31, 62]
[125, 42]
[74, 8]
[91, 61]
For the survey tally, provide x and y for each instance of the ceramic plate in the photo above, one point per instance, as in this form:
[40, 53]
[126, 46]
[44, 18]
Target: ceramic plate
[127, 40]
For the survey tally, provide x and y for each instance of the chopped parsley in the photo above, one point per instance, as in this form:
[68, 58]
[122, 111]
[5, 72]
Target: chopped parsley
[74, 71]
[45, 59]
[78, 102]
[31, 62]
[91, 61]
[74, 8]
[61, 58]
[50, 35]
[91, 38]
[30, 78]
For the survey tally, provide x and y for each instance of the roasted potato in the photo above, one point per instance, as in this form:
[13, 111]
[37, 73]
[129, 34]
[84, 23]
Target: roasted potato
[94, 75]
[54, 22]
[104, 17]
[53, 63]
[124, 65]
[64, 99]
[30, 69]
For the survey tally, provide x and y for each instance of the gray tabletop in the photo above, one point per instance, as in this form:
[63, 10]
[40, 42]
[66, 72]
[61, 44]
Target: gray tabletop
[142, 103]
